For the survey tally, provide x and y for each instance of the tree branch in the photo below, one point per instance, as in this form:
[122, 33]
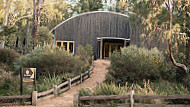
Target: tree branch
[54, 2]
[167, 5]
[20, 19]
[174, 61]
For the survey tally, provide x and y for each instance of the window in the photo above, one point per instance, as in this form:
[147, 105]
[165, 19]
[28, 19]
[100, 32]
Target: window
[65, 45]
[58, 44]
[68, 45]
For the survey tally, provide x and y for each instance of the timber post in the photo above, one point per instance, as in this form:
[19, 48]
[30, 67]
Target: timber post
[34, 98]
[88, 73]
[69, 83]
[101, 48]
[132, 98]
[125, 43]
[55, 92]
[76, 100]
[81, 78]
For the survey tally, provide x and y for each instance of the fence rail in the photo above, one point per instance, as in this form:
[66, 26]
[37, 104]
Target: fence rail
[161, 96]
[78, 99]
[55, 90]
[15, 97]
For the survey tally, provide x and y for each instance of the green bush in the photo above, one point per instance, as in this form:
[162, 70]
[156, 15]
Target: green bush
[51, 60]
[135, 64]
[45, 35]
[85, 53]
[104, 89]
[9, 86]
[180, 75]
[47, 82]
[8, 56]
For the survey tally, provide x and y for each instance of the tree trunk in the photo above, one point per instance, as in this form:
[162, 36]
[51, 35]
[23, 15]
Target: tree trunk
[188, 51]
[16, 42]
[7, 6]
[28, 27]
[1, 44]
[170, 10]
[36, 22]
[5, 12]
[174, 62]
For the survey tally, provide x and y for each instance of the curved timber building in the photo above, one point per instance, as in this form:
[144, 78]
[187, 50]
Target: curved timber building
[104, 31]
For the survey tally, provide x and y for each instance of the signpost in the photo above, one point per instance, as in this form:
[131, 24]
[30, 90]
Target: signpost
[27, 75]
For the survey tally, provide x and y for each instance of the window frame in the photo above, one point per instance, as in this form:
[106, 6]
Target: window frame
[68, 43]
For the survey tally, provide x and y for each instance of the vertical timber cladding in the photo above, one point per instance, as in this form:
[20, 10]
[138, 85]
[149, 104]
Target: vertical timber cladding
[85, 28]
[136, 39]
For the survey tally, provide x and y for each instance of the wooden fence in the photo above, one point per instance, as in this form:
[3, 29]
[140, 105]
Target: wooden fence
[55, 90]
[78, 99]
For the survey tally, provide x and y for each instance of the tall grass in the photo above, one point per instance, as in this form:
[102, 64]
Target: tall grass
[47, 82]
[146, 88]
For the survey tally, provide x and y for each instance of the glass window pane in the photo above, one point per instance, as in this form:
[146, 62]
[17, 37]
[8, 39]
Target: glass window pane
[65, 45]
[71, 47]
[113, 48]
[59, 44]
[106, 50]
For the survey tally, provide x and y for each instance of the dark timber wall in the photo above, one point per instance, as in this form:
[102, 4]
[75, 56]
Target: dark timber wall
[136, 39]
[85, 28]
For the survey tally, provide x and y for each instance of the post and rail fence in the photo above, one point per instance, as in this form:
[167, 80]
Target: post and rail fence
[78, 99]
[49, 93]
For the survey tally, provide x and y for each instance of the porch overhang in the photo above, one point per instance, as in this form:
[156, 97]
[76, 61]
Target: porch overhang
[126, 39]
[100, 39]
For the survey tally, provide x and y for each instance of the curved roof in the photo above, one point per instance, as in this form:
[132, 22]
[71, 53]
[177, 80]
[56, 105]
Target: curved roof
[87, 13]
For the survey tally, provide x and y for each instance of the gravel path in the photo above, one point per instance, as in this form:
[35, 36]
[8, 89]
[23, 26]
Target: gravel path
[66, 99]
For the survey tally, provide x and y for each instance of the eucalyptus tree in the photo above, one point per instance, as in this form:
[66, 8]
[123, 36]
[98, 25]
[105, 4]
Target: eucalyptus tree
[167, 20]
[90, 5]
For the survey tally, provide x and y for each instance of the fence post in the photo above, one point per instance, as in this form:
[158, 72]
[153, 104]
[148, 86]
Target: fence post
[132, 98]
[80, 78]
[34, 98]
[88, 73]
[76, 100]
[92, 64]
[55, 90]
[69, 82]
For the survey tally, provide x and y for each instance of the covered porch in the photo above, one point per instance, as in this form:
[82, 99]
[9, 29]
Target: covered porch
[107, 45]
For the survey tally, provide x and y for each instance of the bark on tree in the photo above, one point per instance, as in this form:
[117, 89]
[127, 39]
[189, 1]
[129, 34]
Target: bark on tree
[170, 7]
[36, 21]
[188, 51]
[5, 12]
[7, 6]
[174, 62]
[28, 26]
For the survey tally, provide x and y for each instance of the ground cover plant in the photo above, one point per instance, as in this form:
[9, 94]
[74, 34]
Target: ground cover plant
[146, 88]
[54, 65]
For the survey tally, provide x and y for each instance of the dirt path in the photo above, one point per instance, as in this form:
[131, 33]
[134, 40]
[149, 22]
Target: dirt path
[66, 99]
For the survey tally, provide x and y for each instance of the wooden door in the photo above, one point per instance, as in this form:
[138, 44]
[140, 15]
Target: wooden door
[109, 48]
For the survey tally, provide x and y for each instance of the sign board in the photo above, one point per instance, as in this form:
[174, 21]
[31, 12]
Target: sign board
[29, 74]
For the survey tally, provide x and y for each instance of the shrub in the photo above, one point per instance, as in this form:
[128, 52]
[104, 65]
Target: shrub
[146, 88]
[51, 60]
[104, 89]
[135, 64]
[9, 84]
[47, 82]
[8, 56]
[85, 53]
[45, 35]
